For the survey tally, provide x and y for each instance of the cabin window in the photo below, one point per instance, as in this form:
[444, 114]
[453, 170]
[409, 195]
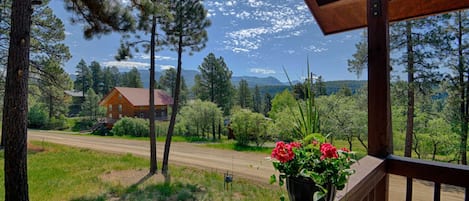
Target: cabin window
[110, 115]
[120, 96]
[120, 116]
[110, 107]
[141, 115]
[120, 108]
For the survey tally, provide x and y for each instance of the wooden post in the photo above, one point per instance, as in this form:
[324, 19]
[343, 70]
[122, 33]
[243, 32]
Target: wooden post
[379, 104]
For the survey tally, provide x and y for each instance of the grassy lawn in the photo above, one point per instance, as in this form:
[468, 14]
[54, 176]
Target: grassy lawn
[63, 173]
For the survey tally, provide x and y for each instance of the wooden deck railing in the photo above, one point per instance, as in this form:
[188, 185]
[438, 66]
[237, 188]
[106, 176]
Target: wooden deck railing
[369, 181]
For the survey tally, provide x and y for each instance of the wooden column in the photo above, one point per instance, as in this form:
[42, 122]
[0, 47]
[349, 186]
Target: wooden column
[379, 104]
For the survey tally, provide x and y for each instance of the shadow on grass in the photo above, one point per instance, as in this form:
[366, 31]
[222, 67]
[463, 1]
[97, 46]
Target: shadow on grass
[164, 191]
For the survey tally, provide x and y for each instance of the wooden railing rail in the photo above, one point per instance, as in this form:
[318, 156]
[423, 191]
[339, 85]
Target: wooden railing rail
[438, 172]
[368, 181]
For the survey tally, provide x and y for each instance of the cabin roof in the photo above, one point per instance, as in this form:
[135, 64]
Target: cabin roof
[139, 96]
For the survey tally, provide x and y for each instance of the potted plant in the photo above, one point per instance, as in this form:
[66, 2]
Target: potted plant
[312, 168]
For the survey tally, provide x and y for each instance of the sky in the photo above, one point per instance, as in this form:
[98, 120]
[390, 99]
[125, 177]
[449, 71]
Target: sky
[255, 37]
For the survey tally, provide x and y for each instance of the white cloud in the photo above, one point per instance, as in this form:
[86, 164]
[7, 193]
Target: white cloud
[166, 67]
[316, 49]
[262, 71]
[157, 57]
[237, 50]
[67, 33]
[126, 64]
[283, 19]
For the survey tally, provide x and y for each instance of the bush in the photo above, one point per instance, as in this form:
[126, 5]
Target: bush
[131, 126]
[37, 117]
[59, 123]
[250, 127]
[83, 124]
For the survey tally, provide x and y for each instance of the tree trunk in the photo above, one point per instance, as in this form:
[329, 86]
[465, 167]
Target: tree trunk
[410, 104]
[464, 95]
[172, 122]
[153, 161]
[15, 108]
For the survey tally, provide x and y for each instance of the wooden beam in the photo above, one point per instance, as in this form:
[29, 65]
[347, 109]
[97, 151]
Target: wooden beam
[343, 15]
[379, 104]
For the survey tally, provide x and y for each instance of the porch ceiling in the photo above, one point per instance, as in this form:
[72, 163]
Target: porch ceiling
[334, 16]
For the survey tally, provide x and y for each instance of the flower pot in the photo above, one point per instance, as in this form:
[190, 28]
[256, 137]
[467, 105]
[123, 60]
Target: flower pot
[303, 189]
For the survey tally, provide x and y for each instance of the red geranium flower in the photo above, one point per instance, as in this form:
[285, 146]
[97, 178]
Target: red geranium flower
[345, 149]
[284, 152]
[328, 151]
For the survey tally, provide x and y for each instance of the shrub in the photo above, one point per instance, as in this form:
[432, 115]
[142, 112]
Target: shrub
[59, 123]
[131, 126]
[83, 124]
[37, 117]
[249, 127]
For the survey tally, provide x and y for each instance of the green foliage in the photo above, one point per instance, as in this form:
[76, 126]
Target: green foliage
[84, 79]
[250, 127]
[244, 95]
[131, 126]
[280, 102]
[132, 79]
[214, 82]
[168, 83]
[199, 118]
[90, 107]
[37, 117]
[57, 123]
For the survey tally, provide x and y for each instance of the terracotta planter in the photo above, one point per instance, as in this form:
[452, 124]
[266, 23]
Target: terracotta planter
[303, 189]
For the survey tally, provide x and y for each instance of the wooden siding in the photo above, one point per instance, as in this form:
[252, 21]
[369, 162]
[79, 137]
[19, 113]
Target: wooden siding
[128, 110]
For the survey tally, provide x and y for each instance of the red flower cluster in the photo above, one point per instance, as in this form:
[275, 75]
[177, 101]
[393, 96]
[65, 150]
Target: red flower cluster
[328, 151]
[284, 152]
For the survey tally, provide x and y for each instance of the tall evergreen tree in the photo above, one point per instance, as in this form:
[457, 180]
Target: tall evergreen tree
[257, 100]
[319, 87]
[454, 54]
[215, 82]
[16, 103]
[168, 83]
[84, 79]
[187, 31]
[97, 76]
[244, 94]
[132, 79]
[267, 105]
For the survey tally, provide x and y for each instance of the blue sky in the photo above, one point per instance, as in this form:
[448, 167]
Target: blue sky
[256, 38]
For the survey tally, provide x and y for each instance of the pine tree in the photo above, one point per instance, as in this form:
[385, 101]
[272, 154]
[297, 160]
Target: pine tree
[215, 82]
[187, 31]
[84, 80]
[97, 76]
[244, 94]
[16, 103]
[257, 100]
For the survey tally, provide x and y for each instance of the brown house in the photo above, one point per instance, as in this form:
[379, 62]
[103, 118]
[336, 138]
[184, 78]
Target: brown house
[134, 102]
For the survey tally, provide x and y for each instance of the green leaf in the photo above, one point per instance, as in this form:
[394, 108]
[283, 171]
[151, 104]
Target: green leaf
[273, 179]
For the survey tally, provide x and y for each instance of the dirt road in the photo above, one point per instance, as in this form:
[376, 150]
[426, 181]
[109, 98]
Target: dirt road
[252, 166]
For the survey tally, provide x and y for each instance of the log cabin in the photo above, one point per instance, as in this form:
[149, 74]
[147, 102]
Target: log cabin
[371, 181]
[134, 102]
